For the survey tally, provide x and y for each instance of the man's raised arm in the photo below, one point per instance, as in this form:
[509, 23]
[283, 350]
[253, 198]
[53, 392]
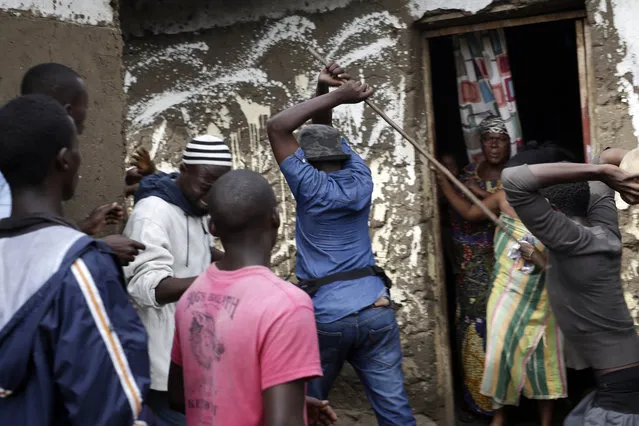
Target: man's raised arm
[331, 76]
[280, 128]
[613, 176]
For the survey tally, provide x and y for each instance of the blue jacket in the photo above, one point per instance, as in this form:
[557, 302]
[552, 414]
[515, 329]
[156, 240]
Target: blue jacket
[72, 348]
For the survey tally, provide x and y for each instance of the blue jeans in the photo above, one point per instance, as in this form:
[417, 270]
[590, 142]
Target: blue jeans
[369, 341]
[159, 403]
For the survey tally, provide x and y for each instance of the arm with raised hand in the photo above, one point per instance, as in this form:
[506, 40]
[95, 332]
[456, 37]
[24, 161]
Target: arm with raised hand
[332, 75]
[554, 229]
[465, 208]
[280, 128]
[617, 179]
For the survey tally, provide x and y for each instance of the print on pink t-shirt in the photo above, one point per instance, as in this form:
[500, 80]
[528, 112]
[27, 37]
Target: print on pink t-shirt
[238, 333]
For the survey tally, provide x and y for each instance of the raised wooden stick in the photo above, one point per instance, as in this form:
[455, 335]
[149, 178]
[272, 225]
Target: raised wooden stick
[429, 157]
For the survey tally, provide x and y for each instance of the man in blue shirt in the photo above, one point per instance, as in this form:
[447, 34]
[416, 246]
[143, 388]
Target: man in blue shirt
[335, 264]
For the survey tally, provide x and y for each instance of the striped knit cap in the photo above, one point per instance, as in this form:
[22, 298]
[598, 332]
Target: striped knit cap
[207, 150]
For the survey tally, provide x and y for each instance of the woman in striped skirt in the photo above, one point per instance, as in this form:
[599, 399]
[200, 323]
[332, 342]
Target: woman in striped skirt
[524, 348]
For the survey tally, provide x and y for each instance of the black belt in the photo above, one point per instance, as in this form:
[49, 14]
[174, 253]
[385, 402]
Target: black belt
[311, 286]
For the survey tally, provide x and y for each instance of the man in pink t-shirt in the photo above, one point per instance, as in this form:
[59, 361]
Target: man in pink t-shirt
[245, 341]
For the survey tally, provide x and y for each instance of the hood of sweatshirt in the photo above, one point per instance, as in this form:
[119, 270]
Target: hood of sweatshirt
[163, 185]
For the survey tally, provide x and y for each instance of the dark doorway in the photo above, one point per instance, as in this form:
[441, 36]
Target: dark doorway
[543, 63]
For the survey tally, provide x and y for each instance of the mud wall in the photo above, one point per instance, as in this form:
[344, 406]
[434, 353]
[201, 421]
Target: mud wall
[193, 67]
[83, 35]
[615, 41]
[226, 71]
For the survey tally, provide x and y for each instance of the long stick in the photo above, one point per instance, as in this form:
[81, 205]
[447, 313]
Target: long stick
[430, 158]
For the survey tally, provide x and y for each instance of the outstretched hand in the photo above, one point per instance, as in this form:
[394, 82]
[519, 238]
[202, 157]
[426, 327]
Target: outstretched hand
[319, 412]
[124, 248]
[141, 160]
[627, 184]
[352, 92]
[99, 218]
[332, 75]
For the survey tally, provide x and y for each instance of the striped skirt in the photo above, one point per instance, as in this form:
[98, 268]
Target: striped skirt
[524, 348]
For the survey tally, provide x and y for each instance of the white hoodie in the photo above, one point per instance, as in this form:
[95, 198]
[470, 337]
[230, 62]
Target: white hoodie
[177, 246]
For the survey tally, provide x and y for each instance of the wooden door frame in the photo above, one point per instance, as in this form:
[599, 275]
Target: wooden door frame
[586, 91]
[584, 56]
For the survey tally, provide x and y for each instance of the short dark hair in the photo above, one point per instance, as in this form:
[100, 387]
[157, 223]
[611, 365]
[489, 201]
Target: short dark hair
[240, 199]
[33, 129]
[572, 199]
[56, 80]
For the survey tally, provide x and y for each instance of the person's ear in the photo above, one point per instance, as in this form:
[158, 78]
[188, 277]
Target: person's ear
[276, 218]
[182, 168]
[62, 159]
[69, 109]
[212, 228]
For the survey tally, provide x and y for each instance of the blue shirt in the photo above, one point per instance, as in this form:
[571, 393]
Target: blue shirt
[5, 198]
[331, 232]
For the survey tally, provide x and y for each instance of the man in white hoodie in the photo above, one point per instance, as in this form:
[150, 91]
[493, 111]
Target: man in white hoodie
[169, 218]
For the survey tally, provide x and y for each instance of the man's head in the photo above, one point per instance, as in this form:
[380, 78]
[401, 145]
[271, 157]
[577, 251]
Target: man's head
[242, 206]
[449, 161]
[322, 147]
[572, 199]
[61, 83]
[495, 142]
[205, 159]
[38, 145]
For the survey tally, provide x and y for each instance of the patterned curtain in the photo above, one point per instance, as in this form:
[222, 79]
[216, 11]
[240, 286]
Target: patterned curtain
[484, 86]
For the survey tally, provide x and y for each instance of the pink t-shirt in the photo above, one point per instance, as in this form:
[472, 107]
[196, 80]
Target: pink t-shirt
[238, 333]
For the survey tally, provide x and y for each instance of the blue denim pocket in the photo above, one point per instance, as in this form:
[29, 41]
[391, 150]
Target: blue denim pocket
[380, 345]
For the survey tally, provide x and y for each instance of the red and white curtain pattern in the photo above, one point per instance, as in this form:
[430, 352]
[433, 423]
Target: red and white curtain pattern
[485, 87]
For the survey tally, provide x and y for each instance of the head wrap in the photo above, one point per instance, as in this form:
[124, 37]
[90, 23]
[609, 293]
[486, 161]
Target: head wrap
[493, 124]
[207, 150]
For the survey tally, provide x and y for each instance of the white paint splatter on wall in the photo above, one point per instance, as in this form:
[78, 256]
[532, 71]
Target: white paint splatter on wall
[217, 100]
[92, 12]
[418, 8]
[625, 16]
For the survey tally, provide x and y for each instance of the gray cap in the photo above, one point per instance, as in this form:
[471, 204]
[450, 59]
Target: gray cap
[321, 143]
